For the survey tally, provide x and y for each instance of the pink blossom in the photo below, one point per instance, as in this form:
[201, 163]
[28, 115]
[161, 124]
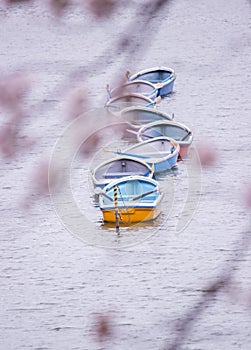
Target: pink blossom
[247, 196]
[103, 328]
[10, 2]
[58, 7]
[8, 140]
[40, 178]
[41, 181]
[102, 8]
[12, 143]
[90, 145]
[17, 116]
[119, 86]
[119, 131]
[207, 154]
[95, 139]
[76, 102]
[248, 297]
[13, 89]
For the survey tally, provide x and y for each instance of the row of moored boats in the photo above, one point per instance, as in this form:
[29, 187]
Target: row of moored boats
[125, 183]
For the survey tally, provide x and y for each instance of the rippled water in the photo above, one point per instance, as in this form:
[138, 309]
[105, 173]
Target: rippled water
[52, 283]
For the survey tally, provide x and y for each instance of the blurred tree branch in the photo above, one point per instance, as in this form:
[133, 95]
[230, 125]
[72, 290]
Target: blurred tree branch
[219, 284]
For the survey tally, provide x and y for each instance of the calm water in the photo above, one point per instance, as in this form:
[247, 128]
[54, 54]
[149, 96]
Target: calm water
[52, 283]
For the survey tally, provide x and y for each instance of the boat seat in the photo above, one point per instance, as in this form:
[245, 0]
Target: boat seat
[156, 155]
[128, 198]
[117, 175]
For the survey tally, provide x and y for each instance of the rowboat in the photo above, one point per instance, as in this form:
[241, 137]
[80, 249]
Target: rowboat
[138, 116]
[177, 131]
[126, 100]
[142, 87]
[119, 167]
[160, 152]
[130, 199]
[161, 77]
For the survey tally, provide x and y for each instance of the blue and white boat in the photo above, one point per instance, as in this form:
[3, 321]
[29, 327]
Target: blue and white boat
[161, 77]
[161, 153]
[142, 87]
[119, 167]
[120, 102]
[138, 116]
[130, 199]
[177, 131]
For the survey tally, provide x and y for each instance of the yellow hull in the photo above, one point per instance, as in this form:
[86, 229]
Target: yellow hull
[132, 215]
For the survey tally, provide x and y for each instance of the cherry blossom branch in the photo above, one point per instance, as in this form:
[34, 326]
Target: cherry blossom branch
[220, 283]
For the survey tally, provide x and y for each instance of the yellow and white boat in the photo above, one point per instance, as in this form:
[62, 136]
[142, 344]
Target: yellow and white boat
[130, 199]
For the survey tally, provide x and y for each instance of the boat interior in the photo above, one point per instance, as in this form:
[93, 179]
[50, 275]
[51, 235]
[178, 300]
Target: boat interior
[121, 168]
[175, 132]
[156, 76]
[141, 117]
[129, 191]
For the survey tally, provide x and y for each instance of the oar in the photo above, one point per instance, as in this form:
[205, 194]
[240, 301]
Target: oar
[108, 91]
[184, 137]
[150, 137]
[99, 192]
[144, 194]
[149, 104]
[155, 102]
[136, 132]
[127, 75]
[125, 153]
[167, 79]
[170, 77]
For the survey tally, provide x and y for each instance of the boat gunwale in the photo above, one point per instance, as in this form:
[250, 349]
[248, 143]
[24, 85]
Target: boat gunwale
[153, 110]
[140, 96]
[131, 178]
[105, 181]
[155, 69]
[137, 81]
[167, 122]
[152, 140]
[127, 205]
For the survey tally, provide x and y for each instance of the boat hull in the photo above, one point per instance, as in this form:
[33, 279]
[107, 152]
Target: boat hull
[179, 132]
[184, 150]
[122, 101]
[132, 215]
[166, 88]
[161, 153]
[130, 200]
[142, 87]
[161, 77]
[165, 165]
[138, 116]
